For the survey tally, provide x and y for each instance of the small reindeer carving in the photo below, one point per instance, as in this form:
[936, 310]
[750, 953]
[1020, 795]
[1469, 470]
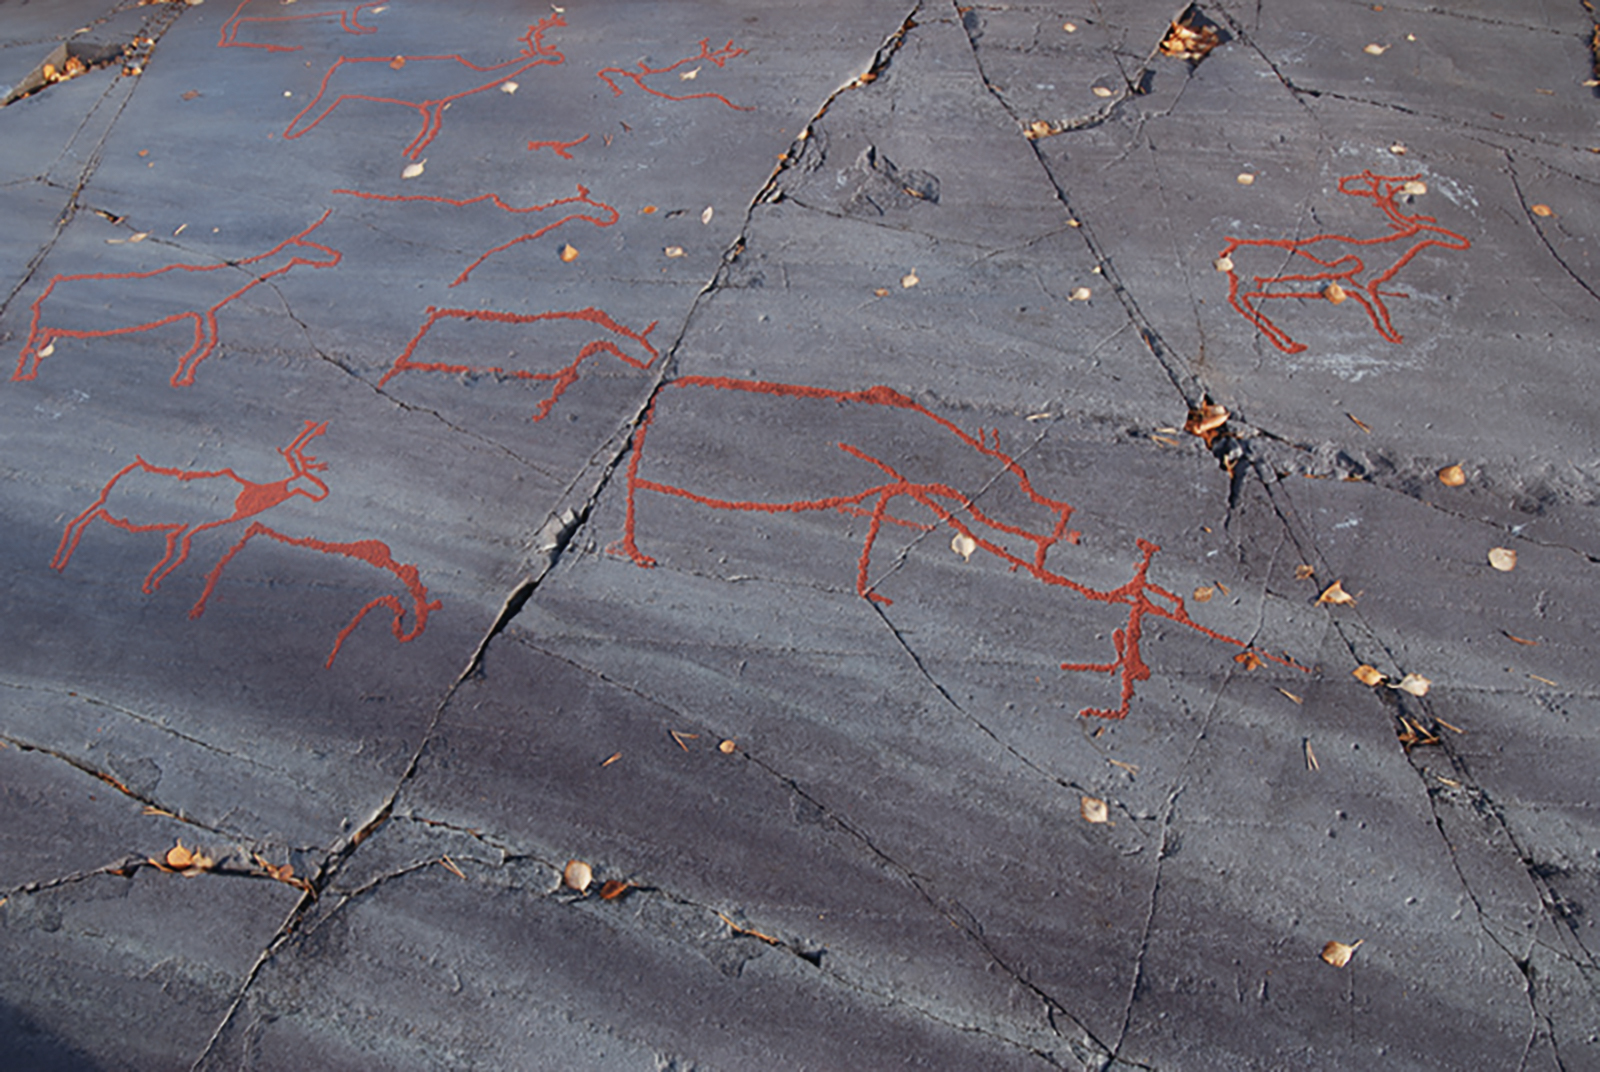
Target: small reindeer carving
[251, 500]
[1332, 264]
[451, 78]
[42, 336]
[349, 21]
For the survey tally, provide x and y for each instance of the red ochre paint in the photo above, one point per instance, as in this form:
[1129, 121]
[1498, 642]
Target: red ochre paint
[252, 500]
[465, 73]
[607, 216]
[42, 335]
[558, 147]
[349, 21]
[1334, 263]
[719, 57]
[954, 509]
[563, 378]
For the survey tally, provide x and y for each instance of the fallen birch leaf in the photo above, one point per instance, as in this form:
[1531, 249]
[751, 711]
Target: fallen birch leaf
[1207, 417]
[1038, 129]
[411, 171]
[1334, 293]
[1503, 559]
[1100, 91]
[1375, 49]
[1336, 594]
[910, 279]
[1167, 440]
[1079, 294]
[139, 236]
[1359, 423]
[1519, 640]
[1337, 953]
[1415, 684]
[1546, 680]
[1204, 593]
[1249, 660]
[611, 889]
[689, 76]
[508, 87]
[673, 251]
[1245, 178]
[1368, 675]
[1185, 42]
[1311, 757]
[1131, 768]
[881, 292]
[647, 210]
[184, 861]
[680, 737]
[1452, 476]
[1093, 809]
[1542, 210]
[1398, 149]
[568, 253]
[1291, 695]
[1223, 264]
[728, 747]
[49, 348]
[612, 758]
[1414, 187]
[577, 876]
[1070, 27]
[963, 545]
[705, 217]
[450, 866]
[1304, 572]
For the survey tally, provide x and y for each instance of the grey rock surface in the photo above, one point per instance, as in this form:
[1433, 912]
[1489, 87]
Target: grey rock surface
[761, 453]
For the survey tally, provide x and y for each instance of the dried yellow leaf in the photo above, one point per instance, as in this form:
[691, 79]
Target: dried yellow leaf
[612, 758]
[1205, 418]
[1334, 293]
[611, 889]
[1249, 660]
[1101, 91]
[963, 545]
[1204, 593]
[1542, 210]
[1375, 50]
[1415, 684]
[728, 747]
[1503, 559]
[1292, 696]
[1093, 810]
[673, 251]
[1245, 178]
[1452, 476]
[1414, 187]
[577, 876]
[1338, 954]
[411, 171]
[1335, 593]
[568, 254]
[1079, 294]
[882, 292]
[1368, 675]
[49, 348]
[705, 216]
[1398, 149]
[1070, 27]
[397, 63]
[508, 87]
[689, 76]
[1223, 264]
[910, 279]
[1304, 572]
[139, 236]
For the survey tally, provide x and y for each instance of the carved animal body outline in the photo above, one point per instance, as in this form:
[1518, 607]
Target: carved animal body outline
[252, 500]
[952, 508]
[349, 22]
[582, 197]
[718, 57]
[41, 337]
[562, 378]
[1342, 269]
[534, 54]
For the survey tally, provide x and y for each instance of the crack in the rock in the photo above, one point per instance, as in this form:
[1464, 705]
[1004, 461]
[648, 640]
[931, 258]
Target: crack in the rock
[154, 28]
[1533, 221]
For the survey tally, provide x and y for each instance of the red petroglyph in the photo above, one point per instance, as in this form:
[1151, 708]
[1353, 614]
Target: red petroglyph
[42, 336]
[608, 216]
[349, 21]
[558, 147]
[1022, 548]
[719, 57]
[1332, 261]
[250, 501]
[562, 378]
[459, 75]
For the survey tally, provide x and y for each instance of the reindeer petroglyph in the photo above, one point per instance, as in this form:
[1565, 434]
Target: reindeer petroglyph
[1332, 265]
[120, 500]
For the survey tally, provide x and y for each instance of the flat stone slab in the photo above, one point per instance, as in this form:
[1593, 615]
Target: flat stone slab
[723, 536]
